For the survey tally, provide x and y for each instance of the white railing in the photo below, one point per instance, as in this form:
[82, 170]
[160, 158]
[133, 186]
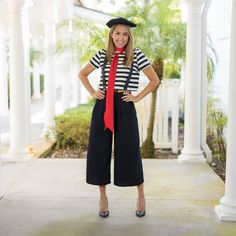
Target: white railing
[167, 115]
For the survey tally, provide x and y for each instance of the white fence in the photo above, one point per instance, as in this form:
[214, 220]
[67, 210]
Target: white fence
[166, 118]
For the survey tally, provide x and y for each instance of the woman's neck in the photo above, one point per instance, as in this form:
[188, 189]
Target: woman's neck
[119, 49]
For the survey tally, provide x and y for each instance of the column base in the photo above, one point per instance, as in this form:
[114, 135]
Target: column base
[48, 134]
[13, 156]
[37, 97]
[226, 211]
[191, 155]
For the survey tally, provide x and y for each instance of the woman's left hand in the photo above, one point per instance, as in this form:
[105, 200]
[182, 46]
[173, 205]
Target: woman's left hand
[129, 97]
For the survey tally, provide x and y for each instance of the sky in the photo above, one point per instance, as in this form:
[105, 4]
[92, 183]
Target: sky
[105, 6]
[110, 8]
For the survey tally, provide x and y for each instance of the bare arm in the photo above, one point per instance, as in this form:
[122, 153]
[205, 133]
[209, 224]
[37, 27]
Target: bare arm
[154, 81]
[83, 75]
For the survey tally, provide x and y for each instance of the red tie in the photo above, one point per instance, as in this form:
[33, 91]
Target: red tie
[109, 112]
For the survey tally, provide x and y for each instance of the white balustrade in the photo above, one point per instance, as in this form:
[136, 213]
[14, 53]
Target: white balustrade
[165, 134]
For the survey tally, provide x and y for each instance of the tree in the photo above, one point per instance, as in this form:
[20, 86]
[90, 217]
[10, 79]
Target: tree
[80, 43]
[161, 35]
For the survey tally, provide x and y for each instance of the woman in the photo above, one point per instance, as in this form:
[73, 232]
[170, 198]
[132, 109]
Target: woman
[114, 113]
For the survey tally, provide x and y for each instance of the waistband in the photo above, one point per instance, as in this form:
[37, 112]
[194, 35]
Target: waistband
[120, 91]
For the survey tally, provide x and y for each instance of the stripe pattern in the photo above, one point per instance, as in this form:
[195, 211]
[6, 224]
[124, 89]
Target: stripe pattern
[140, 63]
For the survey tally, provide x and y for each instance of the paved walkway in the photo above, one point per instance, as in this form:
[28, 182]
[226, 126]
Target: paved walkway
[45, 197]
[49, 197]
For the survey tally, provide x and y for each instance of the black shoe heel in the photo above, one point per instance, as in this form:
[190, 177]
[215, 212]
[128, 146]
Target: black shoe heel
[140, 213]
[104, 214]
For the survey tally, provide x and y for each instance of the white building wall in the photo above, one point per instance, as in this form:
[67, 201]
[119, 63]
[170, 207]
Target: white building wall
[218, 29]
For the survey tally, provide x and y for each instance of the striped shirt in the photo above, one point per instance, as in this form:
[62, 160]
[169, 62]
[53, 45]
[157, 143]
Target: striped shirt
[140, 63]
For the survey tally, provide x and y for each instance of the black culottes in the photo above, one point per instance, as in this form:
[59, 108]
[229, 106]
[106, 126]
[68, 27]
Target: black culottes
[128, 170]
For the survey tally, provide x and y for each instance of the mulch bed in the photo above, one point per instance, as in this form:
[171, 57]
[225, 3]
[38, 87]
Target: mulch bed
[217, 165]
[67, 153]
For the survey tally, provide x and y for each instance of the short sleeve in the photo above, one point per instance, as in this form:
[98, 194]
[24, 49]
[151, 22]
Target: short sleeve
[95, 61]
[142, 60]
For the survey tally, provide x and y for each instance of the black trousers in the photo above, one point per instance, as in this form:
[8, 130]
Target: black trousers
[128, 170]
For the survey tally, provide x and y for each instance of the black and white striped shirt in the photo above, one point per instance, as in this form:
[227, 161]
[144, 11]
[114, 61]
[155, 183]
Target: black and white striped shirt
[140, 63]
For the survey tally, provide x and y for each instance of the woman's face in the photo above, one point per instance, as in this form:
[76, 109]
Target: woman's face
[120, 36]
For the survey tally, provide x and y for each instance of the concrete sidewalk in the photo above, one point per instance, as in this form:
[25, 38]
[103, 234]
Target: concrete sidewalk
[45, 197]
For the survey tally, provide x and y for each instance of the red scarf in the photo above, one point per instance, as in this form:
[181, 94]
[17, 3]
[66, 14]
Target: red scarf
[109, 112]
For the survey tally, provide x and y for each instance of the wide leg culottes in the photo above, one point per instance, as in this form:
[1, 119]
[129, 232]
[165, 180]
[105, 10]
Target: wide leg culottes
[128, 170]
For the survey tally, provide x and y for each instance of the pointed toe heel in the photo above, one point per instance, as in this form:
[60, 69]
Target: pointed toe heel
[103, 214]
[140, 213]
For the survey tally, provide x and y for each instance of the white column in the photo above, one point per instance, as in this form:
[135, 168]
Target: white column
[76, 100]
[36, 70]
[1, 189]
[68, 79]
[192, 139]
[3, 74]
[66, 91]
[19, 126]
[227, 208]
[26, 35]
[36, 81]
[204, 85]
[49, 84]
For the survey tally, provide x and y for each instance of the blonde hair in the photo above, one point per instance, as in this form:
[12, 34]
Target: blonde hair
[128, 48]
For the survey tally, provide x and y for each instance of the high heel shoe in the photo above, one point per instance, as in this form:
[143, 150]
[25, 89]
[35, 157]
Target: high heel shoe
[141, 213]
[103, 214]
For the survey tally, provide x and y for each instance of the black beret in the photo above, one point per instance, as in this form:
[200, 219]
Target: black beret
[121, 21]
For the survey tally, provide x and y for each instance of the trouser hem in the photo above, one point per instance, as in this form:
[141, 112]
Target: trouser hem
[122, 184]
[98, 183]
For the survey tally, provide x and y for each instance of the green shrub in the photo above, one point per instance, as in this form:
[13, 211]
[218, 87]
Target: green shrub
[31, 84]
[217, 122]
[41, 83]
[72, 128]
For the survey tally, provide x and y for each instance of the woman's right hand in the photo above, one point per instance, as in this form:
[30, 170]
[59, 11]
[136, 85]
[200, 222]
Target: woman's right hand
[99, 94]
